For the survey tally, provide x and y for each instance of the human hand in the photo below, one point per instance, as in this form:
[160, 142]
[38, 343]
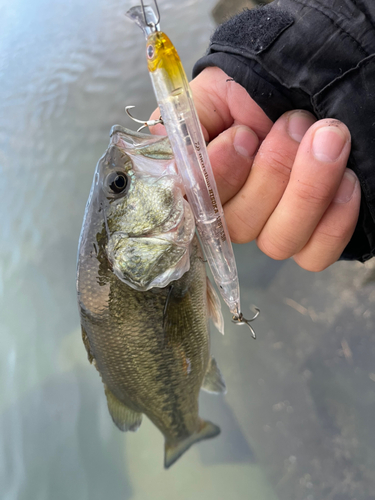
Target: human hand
[284, 184]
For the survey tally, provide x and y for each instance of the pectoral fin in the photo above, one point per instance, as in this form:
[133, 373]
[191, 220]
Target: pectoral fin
[173, 451]
[125, 418]
[214, 307]
[213, 380]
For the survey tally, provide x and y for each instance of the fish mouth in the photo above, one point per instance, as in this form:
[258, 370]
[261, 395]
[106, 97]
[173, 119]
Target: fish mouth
[156, 258]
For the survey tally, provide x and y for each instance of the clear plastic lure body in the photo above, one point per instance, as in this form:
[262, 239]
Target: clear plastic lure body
[181, 121]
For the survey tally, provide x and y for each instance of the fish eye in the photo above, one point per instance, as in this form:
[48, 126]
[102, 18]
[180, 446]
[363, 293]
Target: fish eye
[117, 182]
[150, 51]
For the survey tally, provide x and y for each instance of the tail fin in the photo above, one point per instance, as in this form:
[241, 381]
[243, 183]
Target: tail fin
[173, 451]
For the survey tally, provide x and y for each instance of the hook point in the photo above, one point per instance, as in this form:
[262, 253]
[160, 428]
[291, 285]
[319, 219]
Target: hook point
[149, 123]
[239, 319]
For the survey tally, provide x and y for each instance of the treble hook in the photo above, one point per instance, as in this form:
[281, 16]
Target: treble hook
[239, 319]
[149, 123]
[151, 25]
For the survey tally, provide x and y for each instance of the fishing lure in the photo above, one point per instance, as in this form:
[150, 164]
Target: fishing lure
[182, 124]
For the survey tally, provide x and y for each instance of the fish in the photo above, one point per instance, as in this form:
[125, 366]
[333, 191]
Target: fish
[143, 293]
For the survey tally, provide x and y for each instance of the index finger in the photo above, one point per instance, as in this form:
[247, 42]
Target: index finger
[220, 103]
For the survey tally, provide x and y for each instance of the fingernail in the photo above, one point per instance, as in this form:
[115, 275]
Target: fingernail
[245, 142]
[346, 188]
[298, 124]
[328, 143]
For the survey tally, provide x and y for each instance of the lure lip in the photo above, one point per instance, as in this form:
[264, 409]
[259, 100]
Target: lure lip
[145, 18]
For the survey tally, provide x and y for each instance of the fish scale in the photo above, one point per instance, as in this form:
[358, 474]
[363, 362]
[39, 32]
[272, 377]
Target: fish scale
[119, 371]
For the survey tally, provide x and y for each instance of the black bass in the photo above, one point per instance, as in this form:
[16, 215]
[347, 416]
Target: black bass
[144, 297]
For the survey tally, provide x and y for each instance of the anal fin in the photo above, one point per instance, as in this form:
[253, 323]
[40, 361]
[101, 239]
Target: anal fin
[124, 418]
[173, 451]
[213, 380]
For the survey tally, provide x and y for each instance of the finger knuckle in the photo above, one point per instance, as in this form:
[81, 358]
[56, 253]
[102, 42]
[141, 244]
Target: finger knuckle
[277, 248]
[240, 229]
[239, 239]
[278, 162]
[242, 234]
[316, 194]
[325, 248]
[235, 175]
[314, 265]
[334, 235]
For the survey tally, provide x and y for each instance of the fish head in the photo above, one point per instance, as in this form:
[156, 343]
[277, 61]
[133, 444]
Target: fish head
[147, 223]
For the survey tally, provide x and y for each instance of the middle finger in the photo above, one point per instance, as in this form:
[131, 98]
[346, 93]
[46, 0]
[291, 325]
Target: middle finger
[316, 175]
[247, 212]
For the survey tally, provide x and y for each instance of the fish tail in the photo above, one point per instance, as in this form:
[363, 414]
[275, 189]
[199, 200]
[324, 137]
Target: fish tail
[174, 450]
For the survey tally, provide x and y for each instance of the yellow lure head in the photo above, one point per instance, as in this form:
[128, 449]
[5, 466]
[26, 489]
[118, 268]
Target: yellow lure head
[161, 53]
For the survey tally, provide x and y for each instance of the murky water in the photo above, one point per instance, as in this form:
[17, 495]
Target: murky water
[298, 419]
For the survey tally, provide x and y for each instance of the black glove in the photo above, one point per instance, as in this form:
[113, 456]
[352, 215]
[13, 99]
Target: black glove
[313, 55]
